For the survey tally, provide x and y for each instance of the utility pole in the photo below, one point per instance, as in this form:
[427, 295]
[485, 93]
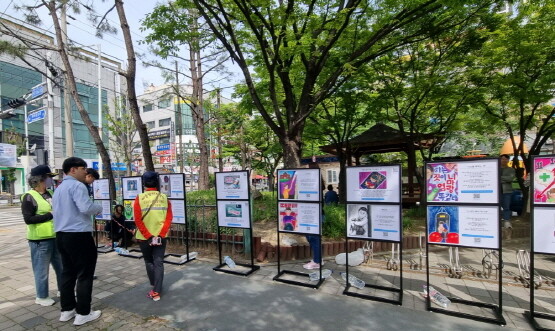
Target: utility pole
[219, 133]
[100, 107]
[179, 126]
[50, 113]
[67, 96]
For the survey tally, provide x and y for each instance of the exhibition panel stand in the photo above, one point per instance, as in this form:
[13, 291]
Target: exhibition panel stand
[101, 195]
[462, 207]
[131, 187]
[299, 212]
[542, 193]
[373, 213]
[233, 200]
[173, 186]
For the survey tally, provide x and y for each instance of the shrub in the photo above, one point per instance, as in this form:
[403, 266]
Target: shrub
[334, 223]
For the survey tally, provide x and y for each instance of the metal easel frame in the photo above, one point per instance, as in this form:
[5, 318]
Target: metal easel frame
[532, 315]
[399, 290]
[251, 267]
[281, 272]
[133, 256]
[497, 309]
[185, 232]
[102, 248]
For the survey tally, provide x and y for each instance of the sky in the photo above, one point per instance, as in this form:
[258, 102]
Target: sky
[82, 31]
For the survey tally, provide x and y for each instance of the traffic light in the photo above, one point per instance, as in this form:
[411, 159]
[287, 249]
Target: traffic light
[17, 102]
[7, 114]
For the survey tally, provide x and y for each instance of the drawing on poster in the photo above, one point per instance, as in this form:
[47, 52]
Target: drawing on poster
[131, 185]
[544, 180]
[443, 224]
[287, 184]
[373, 180]
[128, 209]
[232, 182]
[359, 223]
[288, 217]
[441, 182]
[165, 185]
[233, 210]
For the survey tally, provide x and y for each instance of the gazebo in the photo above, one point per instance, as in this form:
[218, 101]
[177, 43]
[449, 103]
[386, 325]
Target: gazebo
[384, 139]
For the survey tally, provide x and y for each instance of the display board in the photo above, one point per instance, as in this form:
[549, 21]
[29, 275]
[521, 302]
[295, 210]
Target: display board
[179, 211]
[101, 189]
[131, 187]
[232, 185]
[299, 184]
[234, 214]
[544, 230]
[373, 183]
[298, 217]
[106, 213]
[474, 181]
[172, 185]
[544, 180]
[469, 226]
[372, 221]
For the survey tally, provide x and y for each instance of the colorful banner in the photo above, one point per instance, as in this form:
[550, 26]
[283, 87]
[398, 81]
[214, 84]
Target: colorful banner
[544, 180]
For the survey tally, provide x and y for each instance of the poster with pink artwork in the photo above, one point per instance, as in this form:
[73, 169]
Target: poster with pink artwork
[544, 179]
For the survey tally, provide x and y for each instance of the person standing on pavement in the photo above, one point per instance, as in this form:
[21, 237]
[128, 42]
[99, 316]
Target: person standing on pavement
[91, 176]
[331, 196]
[507, 175]
[153, 216]
[72, 214]
[36, 207]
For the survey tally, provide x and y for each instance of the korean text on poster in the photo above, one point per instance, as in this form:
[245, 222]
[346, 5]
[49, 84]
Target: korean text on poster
[178, 211]
[101, 189]
[131, 187]
[470, 181]
[233, 214]
[299, 184]
[544, 230]
[376, 183]
[106, 213]
[172, 186]
[232, 185]
[471, 226]
[299, 217]
[544, 180]
[373, 221]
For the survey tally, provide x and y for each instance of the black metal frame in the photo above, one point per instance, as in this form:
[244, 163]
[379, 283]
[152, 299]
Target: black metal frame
[497, 309]
[220, 267]
[102, 248]
[281, 273]
[399, 290]
[532, 314]
[186, 232]
[134, 256]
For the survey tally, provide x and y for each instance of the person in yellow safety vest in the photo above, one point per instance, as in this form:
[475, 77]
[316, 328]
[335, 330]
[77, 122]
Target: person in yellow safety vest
[153, 216]
[36, 207]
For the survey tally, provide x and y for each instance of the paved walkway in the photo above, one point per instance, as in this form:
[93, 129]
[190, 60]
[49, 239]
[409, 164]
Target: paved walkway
[197, 298]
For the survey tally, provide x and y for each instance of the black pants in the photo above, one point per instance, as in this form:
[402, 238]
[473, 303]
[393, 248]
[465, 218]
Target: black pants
[79, 255]
[154, 256]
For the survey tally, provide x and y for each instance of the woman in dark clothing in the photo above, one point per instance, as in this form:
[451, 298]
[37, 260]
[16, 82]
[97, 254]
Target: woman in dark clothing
[118, 229]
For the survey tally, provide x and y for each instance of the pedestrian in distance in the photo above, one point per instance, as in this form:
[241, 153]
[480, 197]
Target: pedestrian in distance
[331, 196]
[91, 176]
[73, 209]
[507, 175]
[153, 216]
[36, 207]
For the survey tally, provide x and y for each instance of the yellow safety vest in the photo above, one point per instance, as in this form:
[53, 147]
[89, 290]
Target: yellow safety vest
[43, 230]
[154, 220]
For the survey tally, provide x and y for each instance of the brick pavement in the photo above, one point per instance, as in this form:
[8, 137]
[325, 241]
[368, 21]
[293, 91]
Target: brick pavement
[117, 291]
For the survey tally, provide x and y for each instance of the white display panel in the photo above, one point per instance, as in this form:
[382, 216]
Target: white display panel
[172, 185]
[381, 222]
[178, 211]
[299, 217]
[106, 213]
[131, 186]
[232, 185]
[544, 230]
[471, 226]
[544, 179]
[101, 189]
[299, 184]
[234, 214]
[373, 183]
[468, 181]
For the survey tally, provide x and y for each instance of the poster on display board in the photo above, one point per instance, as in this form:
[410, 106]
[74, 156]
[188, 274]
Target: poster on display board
[299, 217]
[544, 179]
[374, 183]
[381, 222]
[128, 209]
[172, 185]
[101, 189]
[232, 185]
[544, 230]
[466, 181]
[234, 214]
[178, 211]
[106, 213]
[131, 186]
[299, 184]
[471, 226]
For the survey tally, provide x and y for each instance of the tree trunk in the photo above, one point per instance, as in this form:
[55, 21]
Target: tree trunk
[131, 93]
[291, 150]
[93, 130]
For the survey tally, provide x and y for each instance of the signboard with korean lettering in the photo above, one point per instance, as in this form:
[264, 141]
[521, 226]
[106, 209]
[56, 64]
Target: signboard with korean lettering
[474, 181]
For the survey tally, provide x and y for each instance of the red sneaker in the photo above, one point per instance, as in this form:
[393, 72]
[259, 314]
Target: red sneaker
[155, 296]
